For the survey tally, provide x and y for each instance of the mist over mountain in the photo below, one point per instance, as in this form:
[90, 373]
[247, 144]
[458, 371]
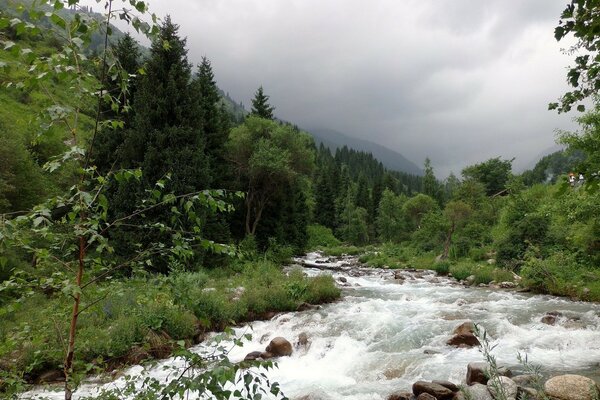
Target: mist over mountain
[391, 159]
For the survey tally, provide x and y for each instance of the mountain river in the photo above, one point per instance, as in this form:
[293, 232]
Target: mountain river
[385, 334]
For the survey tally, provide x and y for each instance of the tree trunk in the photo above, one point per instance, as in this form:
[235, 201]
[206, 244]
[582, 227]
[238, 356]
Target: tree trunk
[68, 367]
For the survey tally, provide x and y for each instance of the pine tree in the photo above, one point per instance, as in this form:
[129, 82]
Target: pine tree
[261, 106]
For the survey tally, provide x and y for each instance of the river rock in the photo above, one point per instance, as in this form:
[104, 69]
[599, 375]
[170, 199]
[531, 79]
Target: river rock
[464, 328]
[400, 396]
[253, 355]
[508, 285]
[279, 347]
[478, 372]
[470, 279]
[524, 380]
[462, 341]
[571, 387]
[265, 355]
[477, 391]
[425, 396]
[447, 384]
[502, 389]
[436, 390]
[302, 340]
[342, 279]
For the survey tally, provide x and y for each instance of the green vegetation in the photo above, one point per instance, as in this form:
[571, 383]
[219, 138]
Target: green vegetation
[144, 316]
[139, 208]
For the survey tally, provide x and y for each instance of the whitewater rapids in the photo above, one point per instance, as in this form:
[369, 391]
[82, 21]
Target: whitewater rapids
[383, 335]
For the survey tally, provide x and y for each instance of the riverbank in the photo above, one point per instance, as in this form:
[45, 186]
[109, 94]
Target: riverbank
[553, 276]
[140, 318]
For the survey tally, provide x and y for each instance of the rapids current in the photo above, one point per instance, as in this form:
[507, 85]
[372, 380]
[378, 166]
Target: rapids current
[384, 335]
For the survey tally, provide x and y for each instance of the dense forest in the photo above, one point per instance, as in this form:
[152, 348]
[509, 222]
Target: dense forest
[129, 182]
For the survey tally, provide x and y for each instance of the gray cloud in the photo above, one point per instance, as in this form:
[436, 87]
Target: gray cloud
[456, 80]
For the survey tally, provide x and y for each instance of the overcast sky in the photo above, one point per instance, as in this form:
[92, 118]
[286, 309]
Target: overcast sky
[459, 81]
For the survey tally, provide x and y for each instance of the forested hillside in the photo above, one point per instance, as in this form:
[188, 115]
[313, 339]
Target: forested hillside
[136, 199]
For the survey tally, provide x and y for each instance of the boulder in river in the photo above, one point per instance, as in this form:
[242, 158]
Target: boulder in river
[279, 347]
[425, 396]
[502, 388]
[462, 341]
[400, 396]
[253, 355]
[302, 340]
[447, 384]
[464, 328]
[571, 387]
[477, 391]
[478, 372]
[436, 390]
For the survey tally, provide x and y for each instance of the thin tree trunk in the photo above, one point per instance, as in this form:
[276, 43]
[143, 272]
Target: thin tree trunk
[68, 368]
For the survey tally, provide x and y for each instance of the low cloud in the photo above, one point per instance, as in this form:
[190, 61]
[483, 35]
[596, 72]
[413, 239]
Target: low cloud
[456, 80]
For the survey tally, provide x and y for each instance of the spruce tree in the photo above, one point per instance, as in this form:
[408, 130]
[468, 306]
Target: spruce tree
[261, 106]
[215, 124]
[166, 136]
[109, 141]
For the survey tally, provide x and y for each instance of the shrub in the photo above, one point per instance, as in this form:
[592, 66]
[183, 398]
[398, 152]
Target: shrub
[322, 289]
[461, 271]
[321, 236]
[442, 267]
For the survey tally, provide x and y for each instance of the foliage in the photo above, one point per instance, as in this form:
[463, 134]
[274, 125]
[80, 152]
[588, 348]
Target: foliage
[588, 142]
[320, 236]
[493, 174]
[267, 157]
[210, 373]
[391, 221]
[580, 20]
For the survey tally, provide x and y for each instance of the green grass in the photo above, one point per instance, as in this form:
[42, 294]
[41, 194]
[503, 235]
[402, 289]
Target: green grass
[149, 313]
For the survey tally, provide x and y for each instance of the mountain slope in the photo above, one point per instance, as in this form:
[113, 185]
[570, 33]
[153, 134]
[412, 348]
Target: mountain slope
[391, 159]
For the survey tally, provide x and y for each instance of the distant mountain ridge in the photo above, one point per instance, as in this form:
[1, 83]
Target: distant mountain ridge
[391, 159]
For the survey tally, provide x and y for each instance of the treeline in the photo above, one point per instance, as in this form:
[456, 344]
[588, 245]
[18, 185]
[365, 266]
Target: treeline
[173, 124]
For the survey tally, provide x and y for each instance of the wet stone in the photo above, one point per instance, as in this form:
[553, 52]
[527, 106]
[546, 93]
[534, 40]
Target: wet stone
[436, 390]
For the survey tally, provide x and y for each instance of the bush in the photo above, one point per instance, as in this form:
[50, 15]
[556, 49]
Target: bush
[322, 289]
[442, 267]
[321, 236]
[461, 271]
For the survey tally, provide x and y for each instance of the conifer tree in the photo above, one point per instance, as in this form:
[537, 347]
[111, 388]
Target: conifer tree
[166, 138]
[261, 106]
[215, 126]
[431, 186]
[108, 142]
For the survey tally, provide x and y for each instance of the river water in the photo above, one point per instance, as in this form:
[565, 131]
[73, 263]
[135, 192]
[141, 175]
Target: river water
[384, 335]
